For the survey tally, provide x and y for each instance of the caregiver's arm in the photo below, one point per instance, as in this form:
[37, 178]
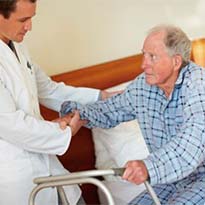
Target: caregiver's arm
[28, 132]
[53, 94]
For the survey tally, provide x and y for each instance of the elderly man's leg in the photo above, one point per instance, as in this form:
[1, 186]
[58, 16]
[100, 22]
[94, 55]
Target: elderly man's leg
[193, 194]
[164, 192]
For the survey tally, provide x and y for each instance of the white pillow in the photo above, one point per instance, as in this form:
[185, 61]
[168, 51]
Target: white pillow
[115, 146]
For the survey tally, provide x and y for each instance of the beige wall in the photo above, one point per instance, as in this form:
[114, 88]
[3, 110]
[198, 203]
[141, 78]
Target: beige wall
[70, 34]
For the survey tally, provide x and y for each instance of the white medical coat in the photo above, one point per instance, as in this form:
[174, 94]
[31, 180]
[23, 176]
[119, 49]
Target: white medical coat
[28, 144]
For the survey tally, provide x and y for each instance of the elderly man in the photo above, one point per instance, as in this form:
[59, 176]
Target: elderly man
[168, 100]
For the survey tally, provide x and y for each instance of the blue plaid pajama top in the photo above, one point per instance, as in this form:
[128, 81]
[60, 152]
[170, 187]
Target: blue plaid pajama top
[173, 129]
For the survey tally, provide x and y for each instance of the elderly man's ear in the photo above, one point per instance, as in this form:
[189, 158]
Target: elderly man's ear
[177, 62]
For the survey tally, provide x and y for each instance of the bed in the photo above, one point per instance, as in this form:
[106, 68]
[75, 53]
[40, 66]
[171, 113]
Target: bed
[81, 154]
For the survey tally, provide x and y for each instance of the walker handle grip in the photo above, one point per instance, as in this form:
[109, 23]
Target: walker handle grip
[118, 171]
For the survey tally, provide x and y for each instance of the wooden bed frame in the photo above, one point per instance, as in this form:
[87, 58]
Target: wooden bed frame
[81, 154]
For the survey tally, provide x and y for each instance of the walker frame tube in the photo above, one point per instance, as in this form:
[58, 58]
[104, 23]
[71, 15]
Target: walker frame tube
[82, 177]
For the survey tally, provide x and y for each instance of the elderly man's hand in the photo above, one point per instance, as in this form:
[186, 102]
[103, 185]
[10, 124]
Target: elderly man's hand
[64, 121]
[76, 123]
[135, 172]
[73, 120]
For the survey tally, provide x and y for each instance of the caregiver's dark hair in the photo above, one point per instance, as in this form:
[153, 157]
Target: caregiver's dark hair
[9, 6]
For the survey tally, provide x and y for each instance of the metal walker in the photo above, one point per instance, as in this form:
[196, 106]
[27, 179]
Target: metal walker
[82, 177]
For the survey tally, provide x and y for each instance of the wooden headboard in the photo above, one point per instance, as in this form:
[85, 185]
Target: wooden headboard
[81, 155]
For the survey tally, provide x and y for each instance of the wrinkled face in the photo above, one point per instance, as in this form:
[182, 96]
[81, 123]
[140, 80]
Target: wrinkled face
[158, 66]
[19, 23]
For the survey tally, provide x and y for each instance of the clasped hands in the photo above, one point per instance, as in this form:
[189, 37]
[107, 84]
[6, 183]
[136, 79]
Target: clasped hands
[72, 120]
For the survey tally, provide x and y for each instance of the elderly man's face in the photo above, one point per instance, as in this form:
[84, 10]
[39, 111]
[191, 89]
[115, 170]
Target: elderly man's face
[160, 68]
[19, 23]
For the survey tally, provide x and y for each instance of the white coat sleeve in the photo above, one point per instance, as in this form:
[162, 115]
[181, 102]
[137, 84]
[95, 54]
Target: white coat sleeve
[52, 94]
[28, 132]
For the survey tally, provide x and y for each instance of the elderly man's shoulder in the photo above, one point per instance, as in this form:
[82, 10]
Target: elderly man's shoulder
[194, 70]
[194, 75]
